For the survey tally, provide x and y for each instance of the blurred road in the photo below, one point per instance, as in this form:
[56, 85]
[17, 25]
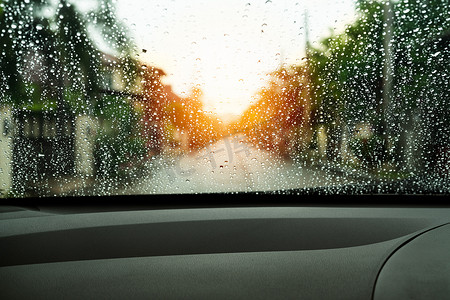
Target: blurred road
[230, 164]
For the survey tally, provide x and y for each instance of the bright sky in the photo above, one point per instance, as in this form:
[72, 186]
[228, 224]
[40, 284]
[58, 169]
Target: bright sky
[227, 47]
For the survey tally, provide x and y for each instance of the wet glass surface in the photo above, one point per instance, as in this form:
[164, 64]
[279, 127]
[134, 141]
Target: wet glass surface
[111, 97]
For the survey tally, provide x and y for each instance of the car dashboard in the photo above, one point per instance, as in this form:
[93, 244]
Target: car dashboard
[235, 252]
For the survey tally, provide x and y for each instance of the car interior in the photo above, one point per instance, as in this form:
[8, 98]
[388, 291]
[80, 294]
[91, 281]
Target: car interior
[259, 246]
[201, 149]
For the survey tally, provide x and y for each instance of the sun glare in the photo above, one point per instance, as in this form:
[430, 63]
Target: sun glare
[228, 75]
[226, 48]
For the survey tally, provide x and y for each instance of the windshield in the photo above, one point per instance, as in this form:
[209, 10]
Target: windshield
[106, 97]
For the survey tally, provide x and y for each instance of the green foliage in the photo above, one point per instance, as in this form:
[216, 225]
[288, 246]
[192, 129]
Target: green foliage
[41, 106]
[114, 155]
[11, 85]
[347, 73]
[62, 47]
[370, 151]
[117, 148]
[76, 101]
[119, 112]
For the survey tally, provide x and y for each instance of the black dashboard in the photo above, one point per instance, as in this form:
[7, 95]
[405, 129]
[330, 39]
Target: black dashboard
[257, 252]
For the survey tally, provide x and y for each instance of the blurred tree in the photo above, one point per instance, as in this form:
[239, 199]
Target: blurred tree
[348, 78]
[12, 86]
[59, 36]
[279, 120]
[155, 102]
[50, 55]
[197, 126]
[422, 74]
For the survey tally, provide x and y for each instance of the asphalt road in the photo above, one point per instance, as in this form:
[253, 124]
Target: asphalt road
[229, 165]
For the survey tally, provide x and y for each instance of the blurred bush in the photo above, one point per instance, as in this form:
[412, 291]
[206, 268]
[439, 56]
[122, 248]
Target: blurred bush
[115, 156]
[370, 150]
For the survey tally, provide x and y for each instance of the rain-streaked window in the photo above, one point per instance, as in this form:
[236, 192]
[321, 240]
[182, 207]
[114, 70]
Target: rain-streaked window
[105, 97]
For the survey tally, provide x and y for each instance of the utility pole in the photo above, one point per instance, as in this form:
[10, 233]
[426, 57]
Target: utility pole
[388, 72]
[281, 64]
[307, 125]
[306, 34]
